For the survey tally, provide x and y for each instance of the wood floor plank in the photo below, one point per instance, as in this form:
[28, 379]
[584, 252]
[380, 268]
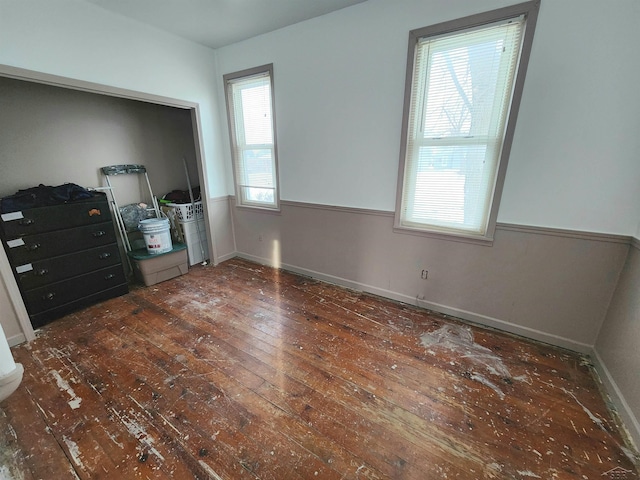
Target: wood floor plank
[238, 386]
[266, 371]
[244, 371]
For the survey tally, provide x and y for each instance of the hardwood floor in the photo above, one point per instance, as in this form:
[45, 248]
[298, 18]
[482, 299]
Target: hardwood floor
[243, 371]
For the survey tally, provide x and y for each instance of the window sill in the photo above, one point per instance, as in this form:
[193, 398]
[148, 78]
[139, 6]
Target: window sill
[485, 241]
[251, 208]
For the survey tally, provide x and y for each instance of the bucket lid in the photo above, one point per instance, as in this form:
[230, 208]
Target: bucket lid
[154, 222]
[153, 225]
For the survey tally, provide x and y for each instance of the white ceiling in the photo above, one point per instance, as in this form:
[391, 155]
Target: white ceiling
[216, 23]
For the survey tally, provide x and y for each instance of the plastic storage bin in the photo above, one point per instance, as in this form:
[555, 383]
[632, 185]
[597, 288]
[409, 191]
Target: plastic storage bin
[155, 268]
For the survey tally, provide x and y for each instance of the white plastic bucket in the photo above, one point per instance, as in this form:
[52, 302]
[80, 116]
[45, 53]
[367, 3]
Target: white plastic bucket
[157, 236]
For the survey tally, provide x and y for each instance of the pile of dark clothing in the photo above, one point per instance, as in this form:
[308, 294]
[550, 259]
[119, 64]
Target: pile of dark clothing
[182, 196]
[43, 196]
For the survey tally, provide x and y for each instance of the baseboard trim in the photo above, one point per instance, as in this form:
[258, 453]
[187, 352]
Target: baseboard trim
[509, 327]
[483, 320]
[227, 256]
[16, 339]
[630, 422]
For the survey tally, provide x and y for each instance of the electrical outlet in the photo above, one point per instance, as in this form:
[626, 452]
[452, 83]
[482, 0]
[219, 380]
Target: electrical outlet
[260, 237]
[424, 275]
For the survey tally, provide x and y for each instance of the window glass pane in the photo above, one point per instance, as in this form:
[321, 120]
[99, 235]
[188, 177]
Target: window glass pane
[462, 89]
[448, 185]
[256, 114]
[259, 195]
[258, 168]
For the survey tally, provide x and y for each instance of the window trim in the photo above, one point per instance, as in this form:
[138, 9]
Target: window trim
[530, 10]
[250, 72]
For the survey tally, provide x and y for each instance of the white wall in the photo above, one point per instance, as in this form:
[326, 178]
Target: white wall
[339, 83]
[79, 40]
[577, 144]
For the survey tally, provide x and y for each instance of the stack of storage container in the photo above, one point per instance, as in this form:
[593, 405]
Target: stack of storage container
[195, 235]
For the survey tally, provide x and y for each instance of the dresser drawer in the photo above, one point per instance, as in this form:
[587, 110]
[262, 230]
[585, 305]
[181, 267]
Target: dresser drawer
[45, 317]
[60, 293]
[46, 219]
[31, 248]
[54, 269]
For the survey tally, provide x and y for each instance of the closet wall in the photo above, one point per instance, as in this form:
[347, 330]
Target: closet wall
[53, 135]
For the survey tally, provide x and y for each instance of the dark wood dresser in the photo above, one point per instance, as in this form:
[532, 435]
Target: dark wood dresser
[64, 257]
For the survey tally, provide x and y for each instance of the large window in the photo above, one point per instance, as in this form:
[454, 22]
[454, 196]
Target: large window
[464, 80]
[252, 131]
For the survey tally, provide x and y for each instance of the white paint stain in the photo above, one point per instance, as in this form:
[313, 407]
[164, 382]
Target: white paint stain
[74, 451]
[212, 474]
[528, 473]
[65, 387]
[170, 379]
[480, 379]
[73, 473]
[167, 422]
[113, 438]
[523, 378]
[635, 458]
[139, 432]
[593, 418]
[11, 460]
[493, 470]
[7, 474]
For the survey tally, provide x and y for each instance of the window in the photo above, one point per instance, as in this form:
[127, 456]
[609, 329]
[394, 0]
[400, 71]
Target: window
[464, 81]
[252, 131]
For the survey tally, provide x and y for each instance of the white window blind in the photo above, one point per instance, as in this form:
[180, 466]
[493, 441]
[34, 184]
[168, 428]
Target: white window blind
[461, 94]
[249, 103]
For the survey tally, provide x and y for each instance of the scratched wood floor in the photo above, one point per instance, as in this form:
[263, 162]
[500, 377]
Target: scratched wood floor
[243, 371]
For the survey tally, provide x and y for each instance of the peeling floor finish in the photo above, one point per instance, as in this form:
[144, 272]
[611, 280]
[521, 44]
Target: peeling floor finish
[243, 371]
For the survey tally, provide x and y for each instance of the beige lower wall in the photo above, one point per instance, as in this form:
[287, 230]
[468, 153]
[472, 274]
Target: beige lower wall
[221, 240]
[553, 286]
[618, 346]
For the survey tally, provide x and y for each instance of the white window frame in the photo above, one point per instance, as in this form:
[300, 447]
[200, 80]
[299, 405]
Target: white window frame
[263, 71]
[530, 11]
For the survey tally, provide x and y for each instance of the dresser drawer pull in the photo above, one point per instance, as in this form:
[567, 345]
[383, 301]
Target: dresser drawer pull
[42, 272]
[104, 255]
[49, 296]
[99, 233]
[27, 221]
[110, 276]
[33, 247]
